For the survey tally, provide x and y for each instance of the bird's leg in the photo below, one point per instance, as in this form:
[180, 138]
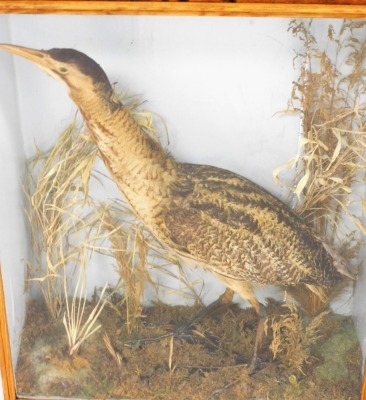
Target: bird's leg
[225, 298]
[261, 311]
[245, 290]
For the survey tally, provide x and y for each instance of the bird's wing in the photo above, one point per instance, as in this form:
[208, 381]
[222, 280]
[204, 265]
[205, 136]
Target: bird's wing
[240, 230]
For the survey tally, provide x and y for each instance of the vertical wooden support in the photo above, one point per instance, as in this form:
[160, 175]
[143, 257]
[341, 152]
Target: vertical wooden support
[6, 365]
[363, 391]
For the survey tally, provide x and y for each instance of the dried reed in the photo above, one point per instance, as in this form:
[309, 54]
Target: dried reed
[330, 166]
[77, 327]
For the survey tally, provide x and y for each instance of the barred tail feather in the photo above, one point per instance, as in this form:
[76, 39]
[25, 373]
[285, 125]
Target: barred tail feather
[313, 299]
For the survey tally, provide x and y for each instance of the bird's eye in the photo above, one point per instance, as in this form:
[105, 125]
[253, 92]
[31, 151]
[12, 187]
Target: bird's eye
[62, 70]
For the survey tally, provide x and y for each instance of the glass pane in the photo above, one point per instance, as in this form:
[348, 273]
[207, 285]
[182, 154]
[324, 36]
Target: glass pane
[110, 246]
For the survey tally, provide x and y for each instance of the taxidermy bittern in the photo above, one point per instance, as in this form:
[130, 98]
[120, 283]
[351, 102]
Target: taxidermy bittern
[223, 222]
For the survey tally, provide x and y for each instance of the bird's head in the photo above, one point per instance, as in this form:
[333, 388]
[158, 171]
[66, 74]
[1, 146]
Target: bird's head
[79, 72]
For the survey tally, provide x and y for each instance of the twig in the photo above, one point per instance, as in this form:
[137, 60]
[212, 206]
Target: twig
[226, 387]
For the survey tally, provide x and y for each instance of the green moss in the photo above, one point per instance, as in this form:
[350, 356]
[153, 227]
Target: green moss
[335, 353]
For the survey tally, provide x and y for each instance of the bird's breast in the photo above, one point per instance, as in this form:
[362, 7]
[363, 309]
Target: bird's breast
[141, 169]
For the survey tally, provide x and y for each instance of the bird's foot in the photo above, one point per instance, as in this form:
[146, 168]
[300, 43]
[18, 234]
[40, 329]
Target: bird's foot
[225, 298]
[254, 363]
[180, 331]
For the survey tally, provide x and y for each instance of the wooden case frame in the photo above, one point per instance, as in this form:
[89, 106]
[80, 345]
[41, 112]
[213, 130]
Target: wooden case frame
[270, 8]
[253, 8]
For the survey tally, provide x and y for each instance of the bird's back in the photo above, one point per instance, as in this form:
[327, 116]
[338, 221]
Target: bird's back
[239, 230]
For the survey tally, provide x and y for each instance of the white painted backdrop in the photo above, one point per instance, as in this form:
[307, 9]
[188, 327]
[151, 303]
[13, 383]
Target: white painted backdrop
[217, 83]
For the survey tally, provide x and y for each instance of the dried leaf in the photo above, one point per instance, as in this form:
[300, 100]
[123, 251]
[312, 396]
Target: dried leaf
[302, 183]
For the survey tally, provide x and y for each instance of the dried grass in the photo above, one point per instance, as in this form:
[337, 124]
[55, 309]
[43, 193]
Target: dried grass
[78, 327]
[58, 184]
[292, 338]
[67, 226]
[330, 166]
[112, 351]
[129, 249]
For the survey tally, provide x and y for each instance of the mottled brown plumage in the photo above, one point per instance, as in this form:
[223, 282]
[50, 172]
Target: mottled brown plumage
[224, 222]
[243, 232]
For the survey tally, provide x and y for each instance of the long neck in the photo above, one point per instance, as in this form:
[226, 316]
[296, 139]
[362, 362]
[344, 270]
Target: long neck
[138, 164]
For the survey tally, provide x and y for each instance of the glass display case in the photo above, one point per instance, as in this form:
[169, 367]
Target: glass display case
[100, 301]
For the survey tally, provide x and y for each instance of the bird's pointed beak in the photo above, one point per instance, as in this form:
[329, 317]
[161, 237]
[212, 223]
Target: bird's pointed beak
[36, 56]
